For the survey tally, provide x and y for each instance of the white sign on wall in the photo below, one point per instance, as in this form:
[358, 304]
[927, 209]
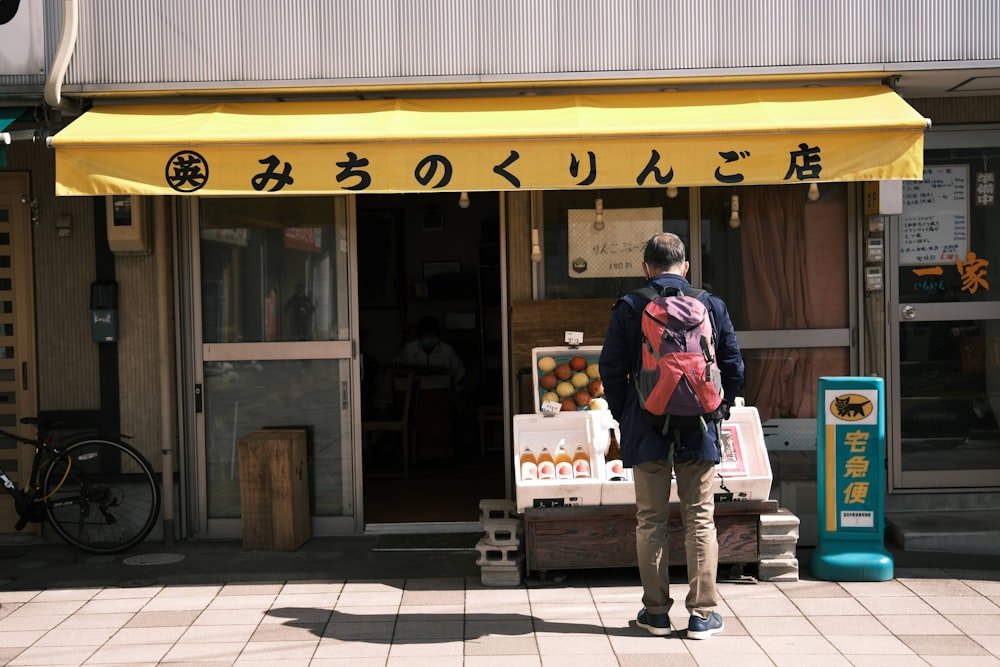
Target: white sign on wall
[934, 227]
[21, 37]
[614, 249]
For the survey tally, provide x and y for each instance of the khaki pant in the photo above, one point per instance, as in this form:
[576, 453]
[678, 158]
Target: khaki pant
[652, 496]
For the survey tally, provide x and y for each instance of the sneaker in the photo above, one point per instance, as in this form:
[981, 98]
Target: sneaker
[699, 628]
[657, 624]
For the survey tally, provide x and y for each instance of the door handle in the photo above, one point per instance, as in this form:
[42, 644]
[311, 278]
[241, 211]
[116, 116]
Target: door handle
[908, 312]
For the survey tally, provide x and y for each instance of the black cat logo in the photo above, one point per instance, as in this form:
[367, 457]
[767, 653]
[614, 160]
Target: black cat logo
[851, 407]
[8, 10]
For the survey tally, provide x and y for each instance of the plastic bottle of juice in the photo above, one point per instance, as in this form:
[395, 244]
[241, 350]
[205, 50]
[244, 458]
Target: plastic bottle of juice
[546, 465]
[581, 463]
[529, 466]
[564, 464]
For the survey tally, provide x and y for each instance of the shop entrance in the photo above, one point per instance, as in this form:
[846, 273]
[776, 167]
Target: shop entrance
[432, 431]
[275, 349]
[944, 324]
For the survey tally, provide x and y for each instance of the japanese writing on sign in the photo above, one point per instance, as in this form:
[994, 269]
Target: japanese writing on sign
[934, 224]
[187, 171]
[986, 188]
[972, 271]
[613, 247]
[856, 481]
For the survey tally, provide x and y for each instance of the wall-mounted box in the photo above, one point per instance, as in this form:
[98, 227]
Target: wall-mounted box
[128, 228]
[104, 312]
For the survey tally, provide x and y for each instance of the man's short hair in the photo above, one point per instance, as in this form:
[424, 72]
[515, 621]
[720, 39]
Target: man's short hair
[664, 251]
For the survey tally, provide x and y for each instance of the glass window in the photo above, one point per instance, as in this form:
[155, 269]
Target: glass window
[947, 396]
[780, 265]
[246, 396]
[949, 239]
[269, 270]
[591, 255]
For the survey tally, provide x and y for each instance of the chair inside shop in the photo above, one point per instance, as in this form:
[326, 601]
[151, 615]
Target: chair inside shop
[387, 435]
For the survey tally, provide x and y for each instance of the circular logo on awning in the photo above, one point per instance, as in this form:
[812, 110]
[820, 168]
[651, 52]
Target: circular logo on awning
[187, 171]
[851, 407]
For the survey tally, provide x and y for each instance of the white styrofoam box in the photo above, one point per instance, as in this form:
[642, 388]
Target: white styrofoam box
[564, 355]
[743, 474]
[537, 431]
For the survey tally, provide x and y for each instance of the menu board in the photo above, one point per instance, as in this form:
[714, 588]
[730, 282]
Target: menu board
[934, 224]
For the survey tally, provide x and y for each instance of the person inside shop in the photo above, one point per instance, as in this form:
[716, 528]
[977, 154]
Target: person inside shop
[689, 449]
[427, 350]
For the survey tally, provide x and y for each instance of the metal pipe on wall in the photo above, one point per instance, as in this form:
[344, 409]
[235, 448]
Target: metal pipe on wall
[60, 63]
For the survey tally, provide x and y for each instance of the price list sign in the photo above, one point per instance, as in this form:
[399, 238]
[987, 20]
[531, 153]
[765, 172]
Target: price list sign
[934, 223]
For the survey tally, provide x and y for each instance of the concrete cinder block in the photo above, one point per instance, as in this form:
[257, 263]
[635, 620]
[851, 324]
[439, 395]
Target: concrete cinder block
[501, 532]
[497, 509]
[494, 555]
[507, 575]
[778, 569]
[778, 534]
[771, 547]
[782, 522]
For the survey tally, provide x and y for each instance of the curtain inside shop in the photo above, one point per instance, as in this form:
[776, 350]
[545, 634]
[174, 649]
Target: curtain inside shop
[795, 259]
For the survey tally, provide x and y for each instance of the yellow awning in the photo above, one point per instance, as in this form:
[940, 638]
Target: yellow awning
[721, 137]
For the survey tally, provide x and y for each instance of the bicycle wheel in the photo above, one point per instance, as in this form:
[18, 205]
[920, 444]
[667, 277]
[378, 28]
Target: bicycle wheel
[101, 495]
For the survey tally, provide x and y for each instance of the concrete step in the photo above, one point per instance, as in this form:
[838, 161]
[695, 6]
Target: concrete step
[950, 531]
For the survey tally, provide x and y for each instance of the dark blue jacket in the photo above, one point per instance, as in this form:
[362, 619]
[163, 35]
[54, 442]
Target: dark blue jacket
[640, 440]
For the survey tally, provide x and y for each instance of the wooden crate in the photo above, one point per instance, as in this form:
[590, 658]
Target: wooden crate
[274, 490]
[560, 538]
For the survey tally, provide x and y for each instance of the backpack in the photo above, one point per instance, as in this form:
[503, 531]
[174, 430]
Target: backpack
[678, 375]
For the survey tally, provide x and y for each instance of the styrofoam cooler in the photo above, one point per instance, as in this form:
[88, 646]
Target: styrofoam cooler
[571, 429]
[564, 355]
[743, 474]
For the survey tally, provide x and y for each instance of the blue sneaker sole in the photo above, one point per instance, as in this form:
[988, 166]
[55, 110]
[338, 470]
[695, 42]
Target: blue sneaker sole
[653, 630]
[704, 634]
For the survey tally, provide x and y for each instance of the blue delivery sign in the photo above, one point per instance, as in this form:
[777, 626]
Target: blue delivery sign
[850, 479]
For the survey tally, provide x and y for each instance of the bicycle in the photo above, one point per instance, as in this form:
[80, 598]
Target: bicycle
[98, 493]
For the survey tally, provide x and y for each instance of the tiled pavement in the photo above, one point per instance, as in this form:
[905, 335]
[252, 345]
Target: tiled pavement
[216, 607]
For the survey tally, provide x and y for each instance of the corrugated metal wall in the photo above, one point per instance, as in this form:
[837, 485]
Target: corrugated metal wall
[197, 43]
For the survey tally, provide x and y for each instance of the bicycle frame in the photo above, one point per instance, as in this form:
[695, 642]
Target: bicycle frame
[24, 497]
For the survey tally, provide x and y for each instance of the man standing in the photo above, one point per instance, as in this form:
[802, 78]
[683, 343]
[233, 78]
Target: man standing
[690, 449]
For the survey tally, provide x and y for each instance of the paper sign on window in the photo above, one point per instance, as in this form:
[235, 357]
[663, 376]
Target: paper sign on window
[934, 225]
[614, 251]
